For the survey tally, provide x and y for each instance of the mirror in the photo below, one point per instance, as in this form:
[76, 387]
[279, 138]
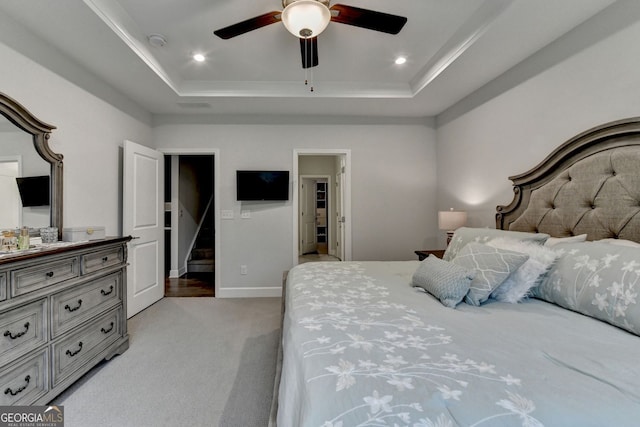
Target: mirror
[25, 155]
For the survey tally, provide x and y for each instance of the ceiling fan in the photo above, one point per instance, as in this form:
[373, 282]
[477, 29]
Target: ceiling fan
[306, 19]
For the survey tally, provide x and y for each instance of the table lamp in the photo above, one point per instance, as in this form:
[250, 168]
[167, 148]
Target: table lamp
[450, 221]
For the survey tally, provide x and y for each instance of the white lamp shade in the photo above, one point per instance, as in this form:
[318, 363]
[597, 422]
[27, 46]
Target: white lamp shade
[306, 18]
[451, 220]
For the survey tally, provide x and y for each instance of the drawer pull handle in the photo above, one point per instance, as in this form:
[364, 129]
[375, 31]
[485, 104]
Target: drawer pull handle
[106, 331]
[70, 309]
[21, 389]
[105, 259]
[73, 353]
[19, 334]
[49, 274]
[105, 293]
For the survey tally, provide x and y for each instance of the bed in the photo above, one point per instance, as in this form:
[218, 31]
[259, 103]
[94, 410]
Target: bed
[409, 343]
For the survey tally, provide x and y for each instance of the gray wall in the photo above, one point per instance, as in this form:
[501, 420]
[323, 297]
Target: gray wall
[491, 136]
[393, 190]
[90, 134]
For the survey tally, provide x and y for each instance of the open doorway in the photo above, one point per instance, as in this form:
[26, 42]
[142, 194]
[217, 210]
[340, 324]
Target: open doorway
[316, 216]
[189, 225]
[322, 200]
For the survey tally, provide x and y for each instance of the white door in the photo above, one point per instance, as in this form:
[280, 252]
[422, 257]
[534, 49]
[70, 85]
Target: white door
[141, 219]
[307, 215]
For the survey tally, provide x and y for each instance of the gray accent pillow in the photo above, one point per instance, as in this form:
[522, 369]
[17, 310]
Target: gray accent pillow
[446, 281]
[597, 279]
[464, 235]
[492, 266]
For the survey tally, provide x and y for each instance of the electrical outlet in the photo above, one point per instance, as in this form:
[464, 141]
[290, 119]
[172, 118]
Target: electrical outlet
[227, 214]
[243, 269]
[245, 214]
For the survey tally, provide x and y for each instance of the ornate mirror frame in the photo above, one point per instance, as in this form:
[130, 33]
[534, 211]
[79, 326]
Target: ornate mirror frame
[41, 131]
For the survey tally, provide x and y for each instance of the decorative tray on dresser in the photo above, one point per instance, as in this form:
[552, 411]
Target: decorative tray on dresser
[62, 310]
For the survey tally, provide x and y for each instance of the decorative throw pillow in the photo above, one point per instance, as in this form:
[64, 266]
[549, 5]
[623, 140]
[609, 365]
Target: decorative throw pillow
[620, 242]
[446, 281]
[597, 279]
[552, 241]
[464, 235]
[518, 285]
[492, 266]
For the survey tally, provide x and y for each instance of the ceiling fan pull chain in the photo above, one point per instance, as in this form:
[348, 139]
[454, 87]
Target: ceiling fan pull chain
[306, 77]
[311, 68]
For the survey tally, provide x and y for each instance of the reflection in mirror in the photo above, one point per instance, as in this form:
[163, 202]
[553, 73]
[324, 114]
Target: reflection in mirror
[18, 159]
[30, 173]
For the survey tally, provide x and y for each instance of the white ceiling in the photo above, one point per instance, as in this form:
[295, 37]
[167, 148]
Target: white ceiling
[453, 48]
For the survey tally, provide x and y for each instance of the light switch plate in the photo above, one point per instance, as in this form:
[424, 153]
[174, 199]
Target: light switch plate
[245, 214]
[227, 214]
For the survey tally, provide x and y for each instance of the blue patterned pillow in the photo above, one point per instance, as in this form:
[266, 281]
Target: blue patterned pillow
[464, 235]
[597, 279]
[492, 267]
[446, 281]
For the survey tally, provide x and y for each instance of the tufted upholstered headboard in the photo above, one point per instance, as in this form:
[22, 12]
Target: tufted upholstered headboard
[589, 185]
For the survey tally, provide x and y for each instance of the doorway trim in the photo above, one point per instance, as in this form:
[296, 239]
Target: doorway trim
[18, 160]
[215, 152]
[346, 155]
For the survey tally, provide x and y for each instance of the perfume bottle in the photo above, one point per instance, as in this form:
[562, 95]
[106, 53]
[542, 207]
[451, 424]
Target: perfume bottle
[23, 239]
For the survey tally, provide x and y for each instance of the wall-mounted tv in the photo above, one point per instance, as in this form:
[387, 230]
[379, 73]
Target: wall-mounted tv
[34, 190]
[262, 185]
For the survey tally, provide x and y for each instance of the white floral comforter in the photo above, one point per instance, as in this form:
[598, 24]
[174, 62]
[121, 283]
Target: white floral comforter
[363, 348]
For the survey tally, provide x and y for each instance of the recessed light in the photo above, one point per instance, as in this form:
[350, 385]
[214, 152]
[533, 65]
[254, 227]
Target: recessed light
[400, 60]
[198, 57]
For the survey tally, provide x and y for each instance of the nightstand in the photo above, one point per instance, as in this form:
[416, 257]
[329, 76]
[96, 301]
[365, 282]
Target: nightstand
[435, 252]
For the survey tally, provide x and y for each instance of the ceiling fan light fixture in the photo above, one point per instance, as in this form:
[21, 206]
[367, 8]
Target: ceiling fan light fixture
[306, 18]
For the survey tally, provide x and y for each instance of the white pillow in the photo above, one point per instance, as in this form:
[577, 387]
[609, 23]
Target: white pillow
[518, 285]
[552, 241]
[620, 242]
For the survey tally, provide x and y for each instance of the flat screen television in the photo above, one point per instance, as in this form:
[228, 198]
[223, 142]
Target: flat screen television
[262, 185]
[34, 190]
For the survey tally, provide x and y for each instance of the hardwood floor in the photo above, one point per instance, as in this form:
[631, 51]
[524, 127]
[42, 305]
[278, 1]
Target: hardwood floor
[190, 285]
[316, 258]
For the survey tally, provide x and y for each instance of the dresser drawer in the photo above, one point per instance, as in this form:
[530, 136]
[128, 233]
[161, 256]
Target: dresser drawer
[73, 352]
[102, 259]
[30, 279]
[25, 382]
[22, 329]
[3, 285]
[73, 306]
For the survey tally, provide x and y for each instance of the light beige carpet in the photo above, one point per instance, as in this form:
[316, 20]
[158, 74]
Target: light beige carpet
[191, 362]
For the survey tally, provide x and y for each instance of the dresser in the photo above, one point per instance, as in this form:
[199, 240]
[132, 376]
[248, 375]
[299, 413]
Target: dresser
[62, 310]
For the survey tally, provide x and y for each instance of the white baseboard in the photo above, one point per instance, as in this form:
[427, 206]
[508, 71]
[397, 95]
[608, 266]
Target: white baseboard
[174, 274]
[244, 292]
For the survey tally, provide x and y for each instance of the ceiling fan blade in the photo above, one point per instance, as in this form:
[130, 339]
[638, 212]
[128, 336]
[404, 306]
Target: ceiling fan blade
[248, 25]
[365, 18]
[309, 52]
